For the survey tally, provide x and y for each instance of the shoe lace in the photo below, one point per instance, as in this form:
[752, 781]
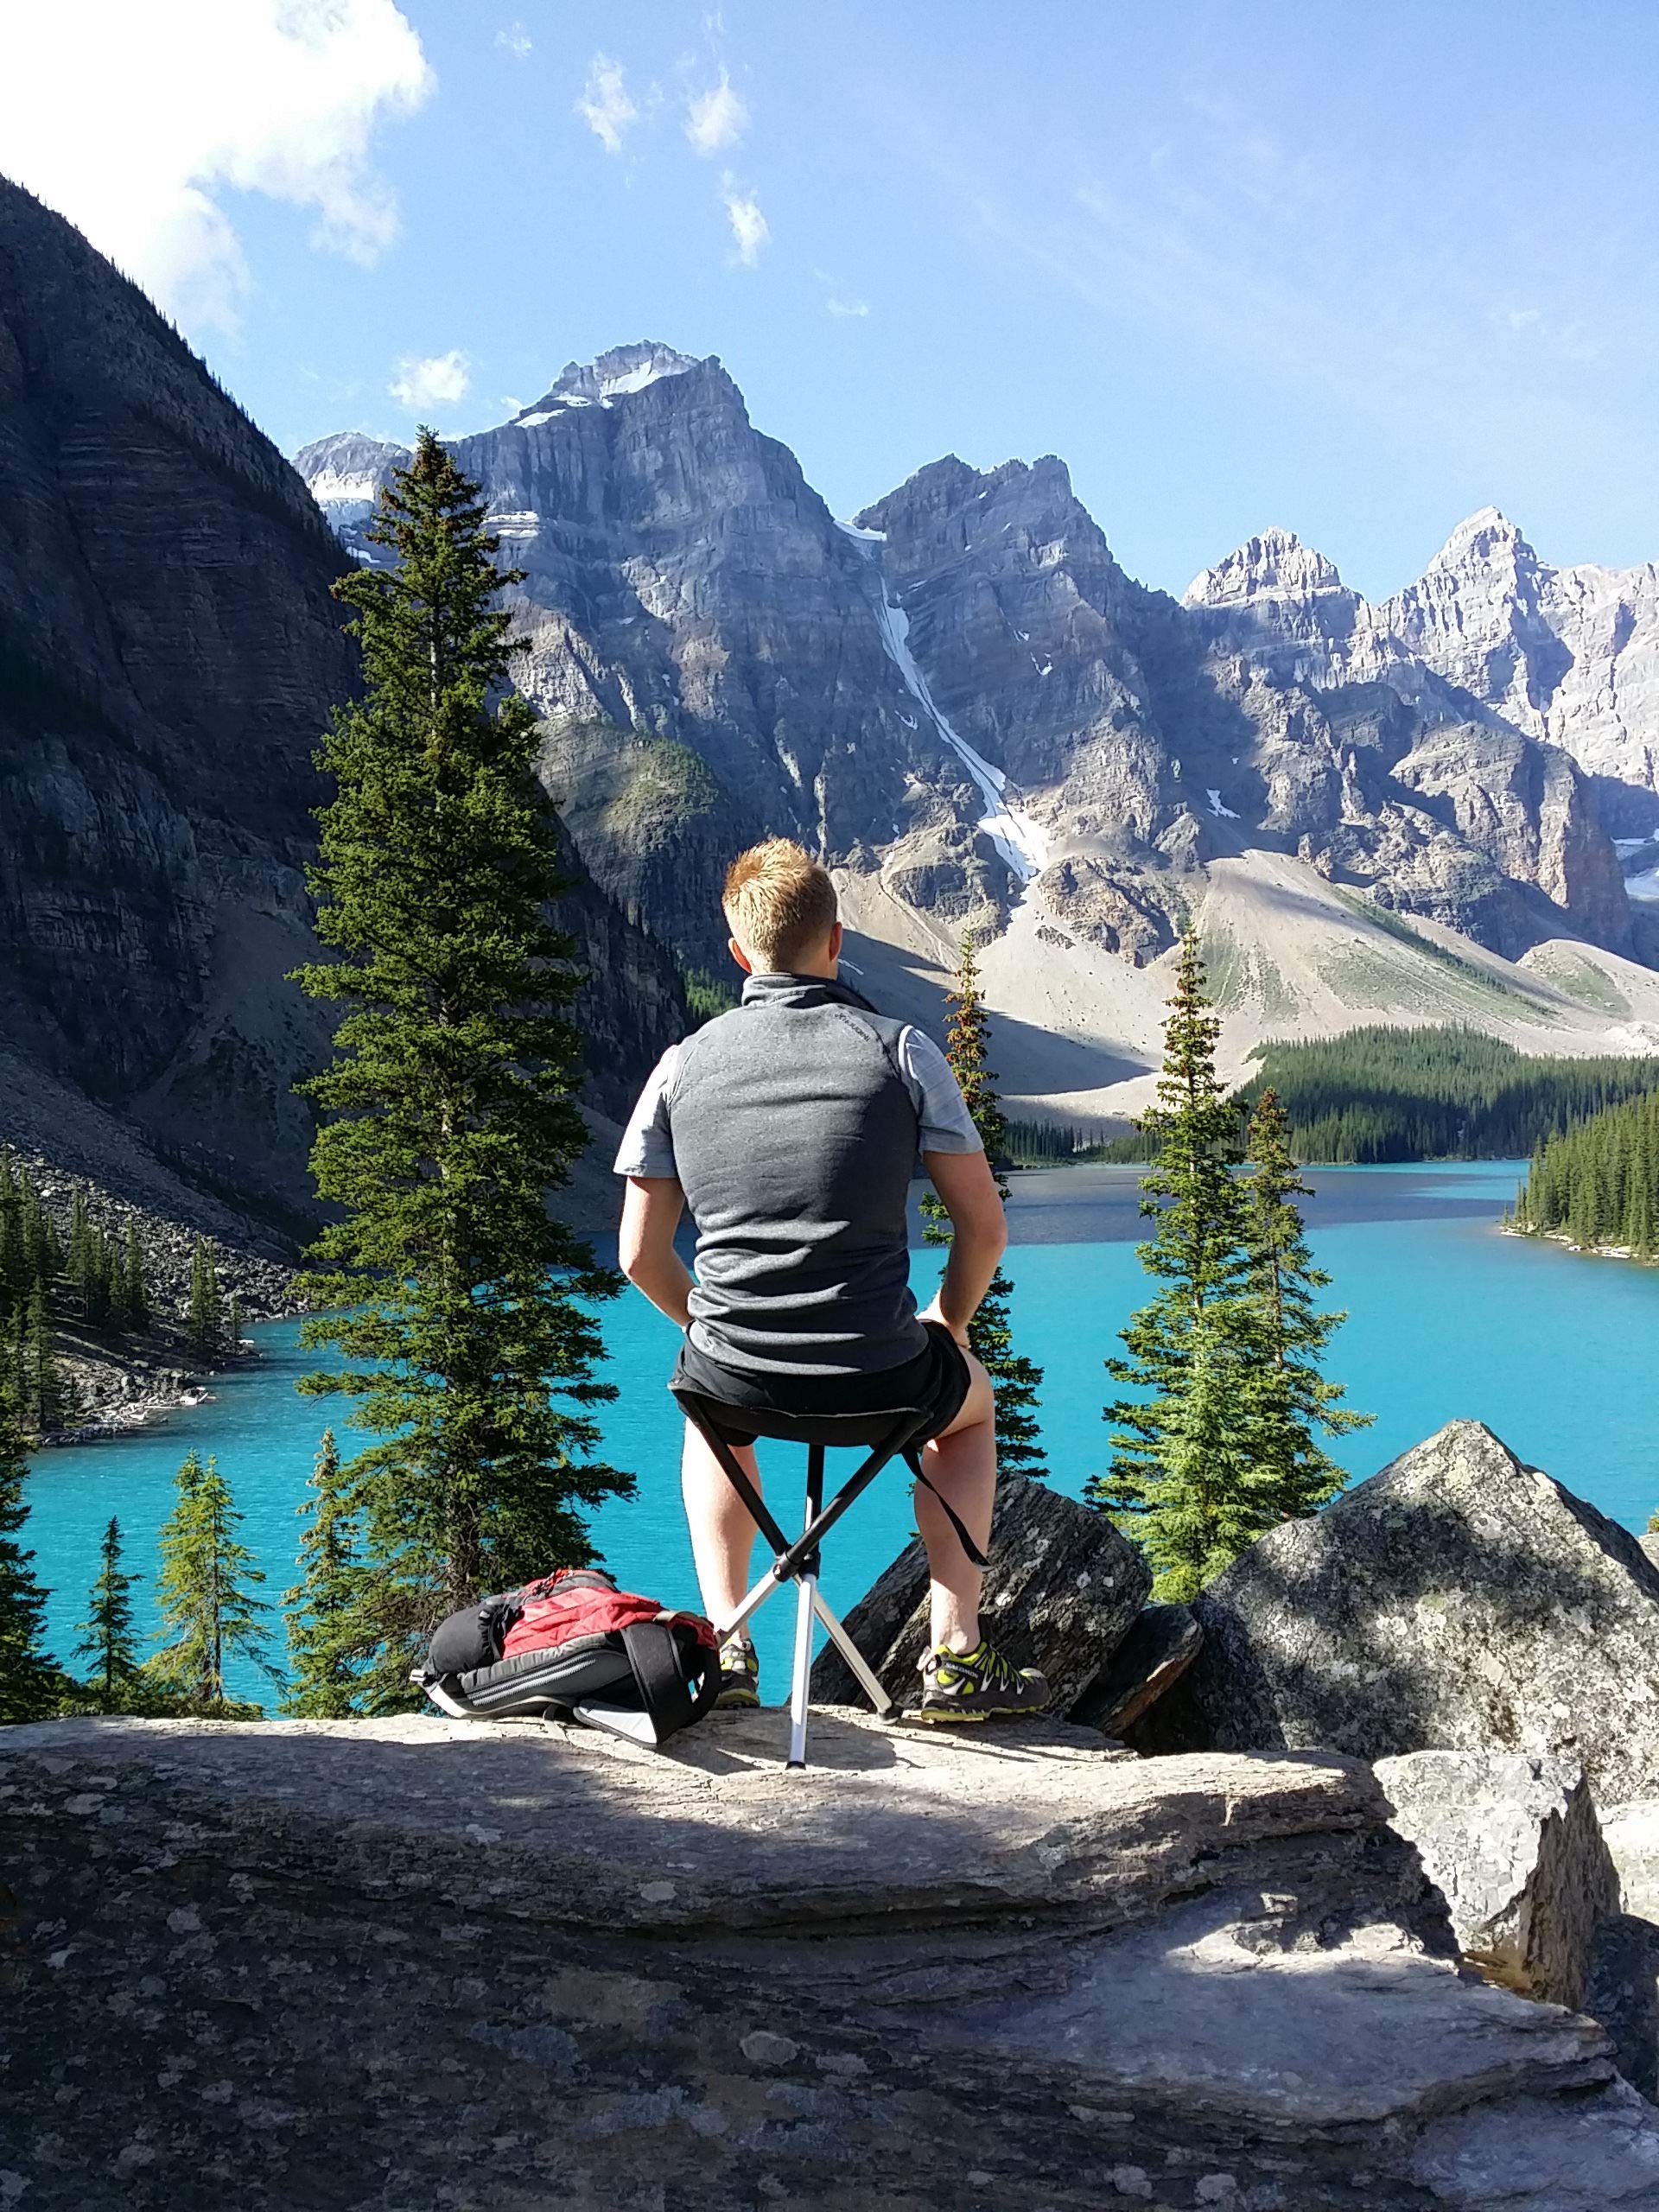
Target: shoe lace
[996, 1672]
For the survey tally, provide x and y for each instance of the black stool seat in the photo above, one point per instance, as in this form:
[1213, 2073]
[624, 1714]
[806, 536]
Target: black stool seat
[743, 1423]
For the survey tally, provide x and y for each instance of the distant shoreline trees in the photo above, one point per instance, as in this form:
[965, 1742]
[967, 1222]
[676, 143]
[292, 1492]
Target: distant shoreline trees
[1597, 1186]
[462, 1307]
[1380, 1095]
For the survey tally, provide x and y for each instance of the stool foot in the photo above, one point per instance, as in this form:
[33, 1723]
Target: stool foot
[799, 1683]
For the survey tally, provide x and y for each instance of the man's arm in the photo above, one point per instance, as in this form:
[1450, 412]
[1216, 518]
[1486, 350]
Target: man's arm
[651, 1214]
[964, 1181]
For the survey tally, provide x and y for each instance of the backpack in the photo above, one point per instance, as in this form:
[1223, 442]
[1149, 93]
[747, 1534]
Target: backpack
[573, 1643]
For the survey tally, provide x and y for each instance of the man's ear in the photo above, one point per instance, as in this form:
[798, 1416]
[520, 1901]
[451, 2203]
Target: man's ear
[835, 936]
[739, 955]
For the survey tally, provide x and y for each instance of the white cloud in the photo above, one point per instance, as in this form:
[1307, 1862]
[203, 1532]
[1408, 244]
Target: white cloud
[848, 307]
[716, 118]
[171, 104]
[605, 106]
[516, 38]
[749, 225]
[439, 380]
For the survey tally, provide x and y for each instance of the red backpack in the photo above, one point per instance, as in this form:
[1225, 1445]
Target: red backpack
[574, 1642]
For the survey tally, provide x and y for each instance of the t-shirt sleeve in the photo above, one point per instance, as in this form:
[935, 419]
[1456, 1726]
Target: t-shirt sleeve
[946, 1124]
[648, 1146]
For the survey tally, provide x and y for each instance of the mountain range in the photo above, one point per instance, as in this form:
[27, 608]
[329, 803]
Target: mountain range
[1438, 807]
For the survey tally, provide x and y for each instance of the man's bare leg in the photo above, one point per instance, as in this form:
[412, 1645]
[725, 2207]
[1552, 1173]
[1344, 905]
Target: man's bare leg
[722, 1527]
[961, 1465]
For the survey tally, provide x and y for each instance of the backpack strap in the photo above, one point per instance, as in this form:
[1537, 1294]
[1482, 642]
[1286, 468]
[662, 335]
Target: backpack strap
[657, 1658]
[913, 1460]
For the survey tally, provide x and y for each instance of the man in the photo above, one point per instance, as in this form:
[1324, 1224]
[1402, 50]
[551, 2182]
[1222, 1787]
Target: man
[792, 1125]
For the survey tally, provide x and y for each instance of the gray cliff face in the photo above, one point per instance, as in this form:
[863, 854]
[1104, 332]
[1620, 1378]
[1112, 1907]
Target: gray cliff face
[684, 585]
[1031, 636]
[1152, 733]
[169, 654]
[1568, 656]
[965, 691]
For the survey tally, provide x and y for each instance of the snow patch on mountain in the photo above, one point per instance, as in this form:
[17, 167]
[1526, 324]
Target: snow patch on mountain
[1020, 841]
[344, 473]
[619, 374]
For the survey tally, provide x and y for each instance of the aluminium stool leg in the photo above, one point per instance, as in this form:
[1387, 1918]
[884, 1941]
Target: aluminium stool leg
[808, 1578]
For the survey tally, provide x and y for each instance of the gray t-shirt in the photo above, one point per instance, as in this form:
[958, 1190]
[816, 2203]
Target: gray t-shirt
[647, 1147]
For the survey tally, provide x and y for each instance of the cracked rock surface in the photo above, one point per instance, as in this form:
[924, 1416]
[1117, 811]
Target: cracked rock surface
[417, 1963]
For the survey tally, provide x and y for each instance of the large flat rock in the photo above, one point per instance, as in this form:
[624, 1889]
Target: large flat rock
[1456, 1600]
[569, 1825]
[384, 1967]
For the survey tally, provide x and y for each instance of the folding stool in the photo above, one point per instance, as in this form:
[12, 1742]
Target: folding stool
[895, 1431]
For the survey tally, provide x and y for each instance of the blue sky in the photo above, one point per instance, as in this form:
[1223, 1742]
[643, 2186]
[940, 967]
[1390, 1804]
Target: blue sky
[1355, 271]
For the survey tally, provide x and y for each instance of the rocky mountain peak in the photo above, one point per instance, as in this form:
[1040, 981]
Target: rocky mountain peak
[611, 376]
[344, 472]
[1487, 538]
[1274, 564]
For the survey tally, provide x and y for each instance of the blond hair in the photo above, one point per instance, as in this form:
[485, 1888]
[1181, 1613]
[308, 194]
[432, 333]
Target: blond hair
[779, 903]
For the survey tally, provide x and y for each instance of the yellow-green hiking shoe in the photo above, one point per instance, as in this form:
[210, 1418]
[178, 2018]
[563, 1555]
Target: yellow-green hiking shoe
[978, 1685]
[740, 1673]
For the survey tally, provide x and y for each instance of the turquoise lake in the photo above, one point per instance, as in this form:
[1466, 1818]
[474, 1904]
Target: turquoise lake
[1447, 1317]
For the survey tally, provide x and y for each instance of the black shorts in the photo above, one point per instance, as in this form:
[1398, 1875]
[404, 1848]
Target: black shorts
[936, 1382]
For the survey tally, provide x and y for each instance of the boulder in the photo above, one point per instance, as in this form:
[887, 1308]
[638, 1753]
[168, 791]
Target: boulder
[1623, 1994]
[1160, 1646]
[1456, 1600]
[1513, 1845]
[1632, 1834]
[1061, 1591]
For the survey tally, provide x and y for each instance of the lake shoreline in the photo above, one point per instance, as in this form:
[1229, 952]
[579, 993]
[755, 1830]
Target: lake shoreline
[1584, 1251]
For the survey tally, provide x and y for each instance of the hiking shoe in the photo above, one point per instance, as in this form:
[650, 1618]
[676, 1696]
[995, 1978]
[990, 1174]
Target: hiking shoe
[740, 1673]
[978, 1685]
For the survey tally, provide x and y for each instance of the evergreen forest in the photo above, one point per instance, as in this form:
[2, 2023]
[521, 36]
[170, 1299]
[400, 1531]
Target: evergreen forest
[1380, 1095]
[1598, 1183]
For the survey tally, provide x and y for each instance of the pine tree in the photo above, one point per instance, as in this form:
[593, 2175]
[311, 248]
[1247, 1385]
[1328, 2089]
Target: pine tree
[30, 1685]
[45, 1400]
[323, 1635]
[233, 1327]
[205, 1588]
[43, 1255]
[107, 1634]
[1018, 1382]
[1289, 1399]
[204, 1323]
[461, 1306]
[79, 1242]
[14, 1272]
[1187, 1346]
[135, 1289]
